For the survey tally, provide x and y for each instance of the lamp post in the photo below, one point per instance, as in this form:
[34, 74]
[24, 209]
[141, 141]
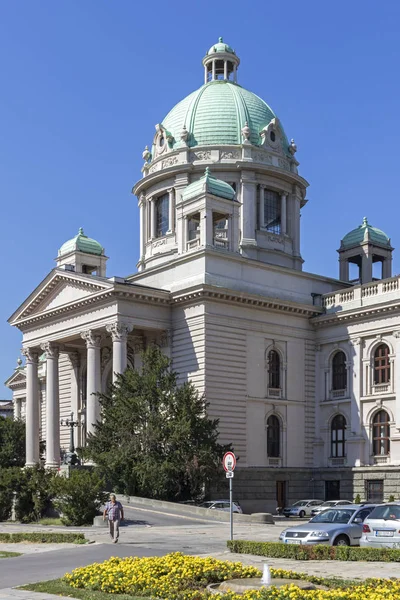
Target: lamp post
[71, 424]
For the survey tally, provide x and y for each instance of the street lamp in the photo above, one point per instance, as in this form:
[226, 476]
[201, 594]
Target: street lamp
[71, 457]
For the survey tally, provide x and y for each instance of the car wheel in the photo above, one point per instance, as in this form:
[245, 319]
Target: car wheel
[342, 540]
[302, 514]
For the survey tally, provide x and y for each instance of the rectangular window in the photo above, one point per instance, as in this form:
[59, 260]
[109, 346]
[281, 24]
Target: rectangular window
[162, 215]
[374, 490]
[272, 211]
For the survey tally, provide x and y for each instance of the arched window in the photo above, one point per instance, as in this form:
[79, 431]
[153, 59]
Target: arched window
[381, 364]
[162, 204]
[338, 437]
[339, 371]
[273, 436]
[274, 370]
[381, 433]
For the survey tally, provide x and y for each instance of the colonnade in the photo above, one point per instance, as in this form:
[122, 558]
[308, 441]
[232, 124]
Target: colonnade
[93, 338]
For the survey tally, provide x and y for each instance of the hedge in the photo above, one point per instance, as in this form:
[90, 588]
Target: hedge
[319, 552]
[43, 538]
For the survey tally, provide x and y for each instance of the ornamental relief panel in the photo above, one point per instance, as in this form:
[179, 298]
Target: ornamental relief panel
[201, 155]
[169, 162]
[262, 157]
[230, 154]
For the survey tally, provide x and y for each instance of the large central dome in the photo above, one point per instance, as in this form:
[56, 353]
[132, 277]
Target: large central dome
[216, 114]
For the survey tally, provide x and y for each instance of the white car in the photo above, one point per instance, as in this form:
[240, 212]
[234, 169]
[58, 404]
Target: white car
[329, 504]
[222, 505]
[381, 529]
[301, 509]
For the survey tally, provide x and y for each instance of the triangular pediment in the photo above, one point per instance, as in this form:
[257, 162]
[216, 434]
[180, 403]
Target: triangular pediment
[59, 289]
[17, 378]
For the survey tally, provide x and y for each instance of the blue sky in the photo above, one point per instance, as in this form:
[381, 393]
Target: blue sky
[85, 81]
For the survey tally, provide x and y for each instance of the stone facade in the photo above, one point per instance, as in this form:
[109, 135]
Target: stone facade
[220, 287]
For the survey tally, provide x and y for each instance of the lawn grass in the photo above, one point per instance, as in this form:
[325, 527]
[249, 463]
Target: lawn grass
[59, 588]
[50, 521]
[4, 554]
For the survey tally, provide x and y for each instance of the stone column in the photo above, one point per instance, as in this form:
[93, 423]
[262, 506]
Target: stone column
[152, 218]
[142, 208]
[171, 211]
[32, 407]
[397, 378]
[366, 266]
[205, 74]
[296, 226]
[283, 213]
[248, 223]
[234, 73]
[209, 230]
[213, 70]
[17, 409]
[225, 70]
[262, 207]
[356, 386]
[52, 406]
[343, 269]
[93, 343]
[75, 394]
[387, 267]
[119, 334]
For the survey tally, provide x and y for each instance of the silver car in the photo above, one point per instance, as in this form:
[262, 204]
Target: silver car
[222, 505]
[301, 509]
[328, 504]
[338, 526]
[382, 527]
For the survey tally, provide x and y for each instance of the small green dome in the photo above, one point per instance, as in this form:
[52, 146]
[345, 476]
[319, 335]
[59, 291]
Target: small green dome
[81, 243]
[220, 47]
[209, 184]
[363, 233]
[216, 113]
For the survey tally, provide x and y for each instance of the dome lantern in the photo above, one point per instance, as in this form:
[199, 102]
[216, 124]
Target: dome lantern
[82, 254]
[220, 63]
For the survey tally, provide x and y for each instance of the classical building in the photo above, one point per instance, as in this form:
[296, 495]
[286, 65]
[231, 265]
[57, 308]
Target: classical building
[299, 368]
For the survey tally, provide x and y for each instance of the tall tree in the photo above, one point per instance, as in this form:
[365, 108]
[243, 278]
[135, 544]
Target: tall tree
[154, 438]
[12, 443]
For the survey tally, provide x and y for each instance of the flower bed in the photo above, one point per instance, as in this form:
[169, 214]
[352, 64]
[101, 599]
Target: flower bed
[318, 552]
[179, 577]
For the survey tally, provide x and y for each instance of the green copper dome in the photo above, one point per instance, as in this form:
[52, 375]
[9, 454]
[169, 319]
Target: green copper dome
[220, 47]
[209, 184]
[216, 113]
[81, 243]
[364, 233]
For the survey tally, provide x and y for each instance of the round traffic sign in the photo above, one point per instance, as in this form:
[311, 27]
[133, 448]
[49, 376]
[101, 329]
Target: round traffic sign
[229, 461]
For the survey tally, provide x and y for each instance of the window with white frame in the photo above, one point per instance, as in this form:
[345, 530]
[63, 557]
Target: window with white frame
[273, 437]
[272, 211]
[339, 371]
[381, 364]
[338, 437]
[162, 206]
[381, 433]
[274, 370]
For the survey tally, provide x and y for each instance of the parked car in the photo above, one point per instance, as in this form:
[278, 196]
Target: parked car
[328, 504]
[302, 508]
[222, 505]
[338, 526]
[381, 529]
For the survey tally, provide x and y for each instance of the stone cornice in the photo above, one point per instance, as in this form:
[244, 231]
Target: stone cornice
[356, 314]
[207, 292]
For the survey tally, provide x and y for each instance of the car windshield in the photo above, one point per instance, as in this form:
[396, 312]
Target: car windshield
[300, 503]
[206, 504]
[390, 513]
[330, 503]
[333, 516]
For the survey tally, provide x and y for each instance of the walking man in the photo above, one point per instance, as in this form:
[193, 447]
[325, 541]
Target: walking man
[115, 513]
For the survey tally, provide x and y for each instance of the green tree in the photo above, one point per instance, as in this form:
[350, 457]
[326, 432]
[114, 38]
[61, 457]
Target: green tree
[78, 497]
[154, 439]
[12, 443]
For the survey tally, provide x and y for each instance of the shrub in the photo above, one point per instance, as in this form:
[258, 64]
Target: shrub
[322, 552]
[33, 493]
[78, 497]
[391, 498]
[8, 483]
[357, 499]
[43, 538]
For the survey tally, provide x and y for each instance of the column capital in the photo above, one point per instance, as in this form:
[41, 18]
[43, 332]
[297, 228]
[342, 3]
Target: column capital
[142, 200]
[92, 338]
[356, 342]
[283, 193]
[51, 350]
[118, 330]
[170, 190]
[31, 355]
[396, 334]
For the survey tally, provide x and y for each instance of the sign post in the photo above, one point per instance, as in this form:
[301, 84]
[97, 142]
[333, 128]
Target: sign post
[229, 464]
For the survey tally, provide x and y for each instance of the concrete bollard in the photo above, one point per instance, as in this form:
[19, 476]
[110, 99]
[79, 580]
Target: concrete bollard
[262, 518]
[98, 522]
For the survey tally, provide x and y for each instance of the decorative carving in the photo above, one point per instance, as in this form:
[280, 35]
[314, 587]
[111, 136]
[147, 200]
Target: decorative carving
[230, 154]
[275, 238]
[246, 133]
[155, 167]
[165, 339]
[355, 342]
[262, 157]
[138, 344]
[92, 338]
[50, 349]
[31, 355]
[292, 147]
[282, 162]
[160, 242]
[202, 155]
[169, 162]
[118, 330]
[146, 154]
[184, 135]
[105, 357]
[396, 334]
